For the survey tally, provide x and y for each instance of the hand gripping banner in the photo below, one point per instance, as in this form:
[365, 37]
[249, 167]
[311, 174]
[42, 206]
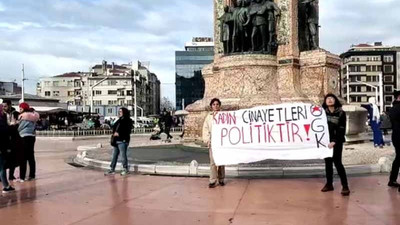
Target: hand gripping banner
[294, 131]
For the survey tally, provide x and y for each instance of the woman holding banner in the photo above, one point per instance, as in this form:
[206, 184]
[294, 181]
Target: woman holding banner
[337, 130]
[217, 173]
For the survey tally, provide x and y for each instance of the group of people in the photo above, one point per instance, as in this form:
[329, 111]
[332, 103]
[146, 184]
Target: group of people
[17, 138]
[336, 118]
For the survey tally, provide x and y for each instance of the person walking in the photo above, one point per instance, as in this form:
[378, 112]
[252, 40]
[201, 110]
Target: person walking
[337, 130]
[5, 141]
[168, 124]
[394, 115]
[122, 129]
[27, 126]
[217, 173]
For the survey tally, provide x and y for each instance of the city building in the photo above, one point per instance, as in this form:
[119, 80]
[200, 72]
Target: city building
[9, 88]
[64, 87]
[366, 63]
[105, 89]
[189, 81]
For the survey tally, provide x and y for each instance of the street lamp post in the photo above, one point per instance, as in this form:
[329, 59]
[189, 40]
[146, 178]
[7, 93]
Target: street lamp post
[381, 91]
[373, 86]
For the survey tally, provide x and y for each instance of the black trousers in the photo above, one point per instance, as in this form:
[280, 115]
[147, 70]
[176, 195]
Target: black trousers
[167, 130]
[337, 160]
[396, 162]
[28, 144]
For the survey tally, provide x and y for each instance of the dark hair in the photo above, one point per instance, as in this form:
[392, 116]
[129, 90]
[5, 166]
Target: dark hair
[8, 102]
[215, 100]
[396, 94]
[337, 102]
[125, 112]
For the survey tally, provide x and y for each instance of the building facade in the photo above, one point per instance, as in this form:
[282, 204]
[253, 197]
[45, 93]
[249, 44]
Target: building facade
[189, 81]
[366, 64]
[9, 88]
[64, 87]
[107, 88]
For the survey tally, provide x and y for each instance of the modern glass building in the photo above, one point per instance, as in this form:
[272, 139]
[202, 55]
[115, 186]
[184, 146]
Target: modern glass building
[189, 81]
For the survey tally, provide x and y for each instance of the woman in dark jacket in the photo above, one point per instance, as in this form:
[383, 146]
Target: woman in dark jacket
[337, 130]
[4, 147]
[122, 133]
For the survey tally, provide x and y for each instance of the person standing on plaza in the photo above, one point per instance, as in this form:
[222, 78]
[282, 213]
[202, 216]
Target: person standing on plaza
[5, 141]
[375, 123]
[27, 130]
[122, 129]
[394, 115]
[217, 173]
[168, 124]
[12, 121]
[337, 130]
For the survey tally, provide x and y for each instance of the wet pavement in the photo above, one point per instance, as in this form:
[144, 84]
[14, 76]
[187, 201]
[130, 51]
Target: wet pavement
[63, 194]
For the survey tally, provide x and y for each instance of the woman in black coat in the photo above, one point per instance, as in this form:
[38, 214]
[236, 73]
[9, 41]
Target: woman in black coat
[337, 130]
[4, 148]
[122, 129]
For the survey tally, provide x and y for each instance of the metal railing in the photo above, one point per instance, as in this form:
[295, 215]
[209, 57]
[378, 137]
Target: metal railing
[89, 133]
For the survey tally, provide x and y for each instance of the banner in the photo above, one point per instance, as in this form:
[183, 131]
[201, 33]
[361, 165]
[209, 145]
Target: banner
[294, 131]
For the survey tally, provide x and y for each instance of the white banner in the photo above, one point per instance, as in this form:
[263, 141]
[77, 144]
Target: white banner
[294, 131]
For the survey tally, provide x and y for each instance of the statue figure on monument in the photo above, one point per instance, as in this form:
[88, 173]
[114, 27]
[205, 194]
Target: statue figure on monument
[241, 19]
[312, 25]
[226, 29]
[274, 14]
[258, 13]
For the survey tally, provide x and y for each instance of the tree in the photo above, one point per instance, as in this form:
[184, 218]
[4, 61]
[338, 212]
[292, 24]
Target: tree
[166, 104]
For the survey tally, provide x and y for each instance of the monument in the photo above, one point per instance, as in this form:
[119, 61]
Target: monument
[266, 52]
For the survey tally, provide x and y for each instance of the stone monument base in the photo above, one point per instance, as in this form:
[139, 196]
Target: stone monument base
[249, 80]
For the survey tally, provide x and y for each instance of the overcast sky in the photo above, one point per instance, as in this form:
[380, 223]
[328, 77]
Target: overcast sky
[52, 37]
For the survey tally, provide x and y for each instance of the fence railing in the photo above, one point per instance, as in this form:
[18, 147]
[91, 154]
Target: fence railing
[88, 133]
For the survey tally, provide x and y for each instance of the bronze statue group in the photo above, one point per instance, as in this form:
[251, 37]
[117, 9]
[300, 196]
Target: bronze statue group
[250, 26]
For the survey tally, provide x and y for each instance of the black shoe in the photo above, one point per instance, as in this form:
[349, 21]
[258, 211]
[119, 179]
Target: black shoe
[393, 184]
[221, 183]
[212, 185]
[345, 191]
[8, 189]
[11, 178]
[327, 187]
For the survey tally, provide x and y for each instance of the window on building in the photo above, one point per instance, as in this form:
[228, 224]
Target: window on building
[122, 93]
[389, 88]
[56, 93]
[70, 83]
[388, 78]
[388, 58]
[369, 89]
[110, 111]
[47, 83]
[369, 78]
[368, 68]
[71, 93]
[112, 102]
[364, 99]
[374, 68]
[56, 83]
[97, 92]
[47, 93]
[387, 108]
[97, 110]
[388, 69]
[97, 102]
[379, 68]
[389, 99]
[112, 82]
[112, 92]
[129, 93]
[375, 78]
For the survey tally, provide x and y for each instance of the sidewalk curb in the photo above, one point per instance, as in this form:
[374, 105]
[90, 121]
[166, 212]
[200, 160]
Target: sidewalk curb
[193, 169]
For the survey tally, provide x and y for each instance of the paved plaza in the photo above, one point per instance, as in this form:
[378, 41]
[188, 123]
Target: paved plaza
[64, 194]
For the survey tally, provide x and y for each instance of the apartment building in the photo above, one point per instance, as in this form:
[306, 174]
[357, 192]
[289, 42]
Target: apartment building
[364, 65]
